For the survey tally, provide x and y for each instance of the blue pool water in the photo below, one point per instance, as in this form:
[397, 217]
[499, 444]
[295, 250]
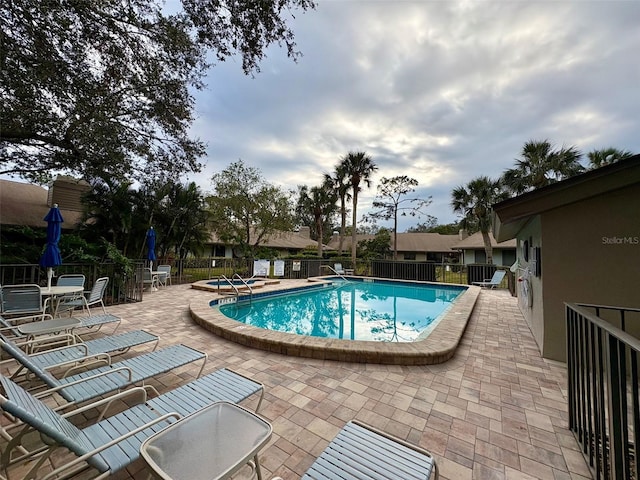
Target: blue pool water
[356, 310]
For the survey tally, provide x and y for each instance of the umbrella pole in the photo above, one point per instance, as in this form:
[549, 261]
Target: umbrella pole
[49, 275]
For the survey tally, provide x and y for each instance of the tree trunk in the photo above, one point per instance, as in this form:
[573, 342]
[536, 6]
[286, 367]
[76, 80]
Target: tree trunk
[353, 228]
[343, 223]
[488, 249]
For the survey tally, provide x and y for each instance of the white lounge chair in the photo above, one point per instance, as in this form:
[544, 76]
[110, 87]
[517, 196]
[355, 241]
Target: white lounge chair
[492, 282]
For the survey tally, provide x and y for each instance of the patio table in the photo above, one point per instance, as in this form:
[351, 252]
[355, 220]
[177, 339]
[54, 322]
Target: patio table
[211, 444]
[44, 327]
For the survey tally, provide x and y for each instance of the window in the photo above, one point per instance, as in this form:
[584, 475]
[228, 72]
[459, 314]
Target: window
[409, 255]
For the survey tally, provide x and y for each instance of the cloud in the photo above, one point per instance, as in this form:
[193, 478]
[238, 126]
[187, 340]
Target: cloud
[439, 91]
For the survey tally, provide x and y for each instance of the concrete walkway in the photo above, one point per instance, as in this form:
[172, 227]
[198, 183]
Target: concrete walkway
[497, 410]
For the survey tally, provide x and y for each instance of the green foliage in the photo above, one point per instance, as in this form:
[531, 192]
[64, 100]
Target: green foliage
[430, 226]
[318, 203]
[474, 202]
[121, 215]
[357, 167]
[541, 165]
[606, 156]
[377, 247]
[21, 244]
[245, 208]
[104, 88]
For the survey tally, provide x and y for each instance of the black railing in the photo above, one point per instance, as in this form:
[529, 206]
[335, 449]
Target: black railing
[603, 390]
[127, 288]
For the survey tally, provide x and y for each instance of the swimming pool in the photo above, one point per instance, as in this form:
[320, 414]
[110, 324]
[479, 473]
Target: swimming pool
[381, 311]
[439, 347]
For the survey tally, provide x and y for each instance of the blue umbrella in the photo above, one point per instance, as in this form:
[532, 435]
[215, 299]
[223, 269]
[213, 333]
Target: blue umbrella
[151, 246]
[51, 256]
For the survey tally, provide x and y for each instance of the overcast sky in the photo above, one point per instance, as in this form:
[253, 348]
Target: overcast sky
[441, 91]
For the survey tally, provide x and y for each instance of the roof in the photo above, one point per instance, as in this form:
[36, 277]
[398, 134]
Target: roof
[26, 204]
[284, 240]
[407, 242]
[512, 214]
[476, 242]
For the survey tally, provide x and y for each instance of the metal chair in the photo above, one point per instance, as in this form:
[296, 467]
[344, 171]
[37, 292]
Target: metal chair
[112, 443]
[92, 297]
[22, 300]
[71, 280]
[166, 278]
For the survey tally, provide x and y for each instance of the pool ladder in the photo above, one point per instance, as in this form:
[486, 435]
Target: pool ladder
[235, 289]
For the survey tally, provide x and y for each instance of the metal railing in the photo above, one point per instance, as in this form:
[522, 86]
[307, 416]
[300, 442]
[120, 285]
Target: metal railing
[603, 391]
[124, 288]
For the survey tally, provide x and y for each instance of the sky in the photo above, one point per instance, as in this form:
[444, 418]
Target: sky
[440, 91]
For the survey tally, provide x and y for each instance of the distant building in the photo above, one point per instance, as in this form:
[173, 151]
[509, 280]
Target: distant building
[419, 247]
[473, 251]
[27, 204]
[284, 243]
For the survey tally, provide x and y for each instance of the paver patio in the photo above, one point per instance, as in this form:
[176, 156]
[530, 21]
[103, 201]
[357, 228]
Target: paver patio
[497, 410]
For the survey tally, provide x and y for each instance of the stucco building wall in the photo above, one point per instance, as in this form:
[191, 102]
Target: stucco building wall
[590, 253]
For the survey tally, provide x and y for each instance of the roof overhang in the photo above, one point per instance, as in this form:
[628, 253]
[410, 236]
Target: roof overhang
[511, 215]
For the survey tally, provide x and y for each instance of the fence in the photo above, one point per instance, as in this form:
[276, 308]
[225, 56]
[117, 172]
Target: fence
[603, 390]
[124, 288]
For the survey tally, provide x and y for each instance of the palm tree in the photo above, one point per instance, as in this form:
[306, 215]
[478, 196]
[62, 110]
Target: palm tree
[340, 185]
[475, 202]
[606, 156]
[321, 203]
[540, 166]
[358, 167]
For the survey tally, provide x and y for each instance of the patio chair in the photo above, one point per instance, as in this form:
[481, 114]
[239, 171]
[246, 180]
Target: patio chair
[81, 354]
[361, 452]
[337, 267]
[90, 384]
[112, 443]
[492, 282]
[148, 279]
[166, 278]
[22, 300]
[71, 280]
[91, 297]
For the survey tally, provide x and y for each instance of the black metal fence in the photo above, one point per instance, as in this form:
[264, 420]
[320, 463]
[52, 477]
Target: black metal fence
[126, 288]
[604, 389]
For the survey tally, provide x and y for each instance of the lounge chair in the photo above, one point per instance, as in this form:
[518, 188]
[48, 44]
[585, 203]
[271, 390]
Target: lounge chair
[492, 282]
[112, 443]
[338, 269]
[97, 321]
[90, 384]
[361, 452]
[92, 297]
[74, 355]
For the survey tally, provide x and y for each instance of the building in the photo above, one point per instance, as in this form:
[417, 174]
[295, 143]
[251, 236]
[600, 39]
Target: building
[284, 243]
[417, 247]
[27, 204]
[473, 251]
[578, 241]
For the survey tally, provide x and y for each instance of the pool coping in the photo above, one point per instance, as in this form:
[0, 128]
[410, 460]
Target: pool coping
[438, 347]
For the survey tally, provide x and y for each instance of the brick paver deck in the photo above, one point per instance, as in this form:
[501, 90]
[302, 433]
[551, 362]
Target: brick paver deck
[496, 410]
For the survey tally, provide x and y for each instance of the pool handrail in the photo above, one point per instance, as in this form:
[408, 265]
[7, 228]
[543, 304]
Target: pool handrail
[334, 271]
[245, 284]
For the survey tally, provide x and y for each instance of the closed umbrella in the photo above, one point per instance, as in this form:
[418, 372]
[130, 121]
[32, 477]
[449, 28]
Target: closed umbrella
[51, 256]
[151, 246]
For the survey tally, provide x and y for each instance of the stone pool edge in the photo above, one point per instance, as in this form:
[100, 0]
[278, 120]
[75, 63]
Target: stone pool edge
[439, 347]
